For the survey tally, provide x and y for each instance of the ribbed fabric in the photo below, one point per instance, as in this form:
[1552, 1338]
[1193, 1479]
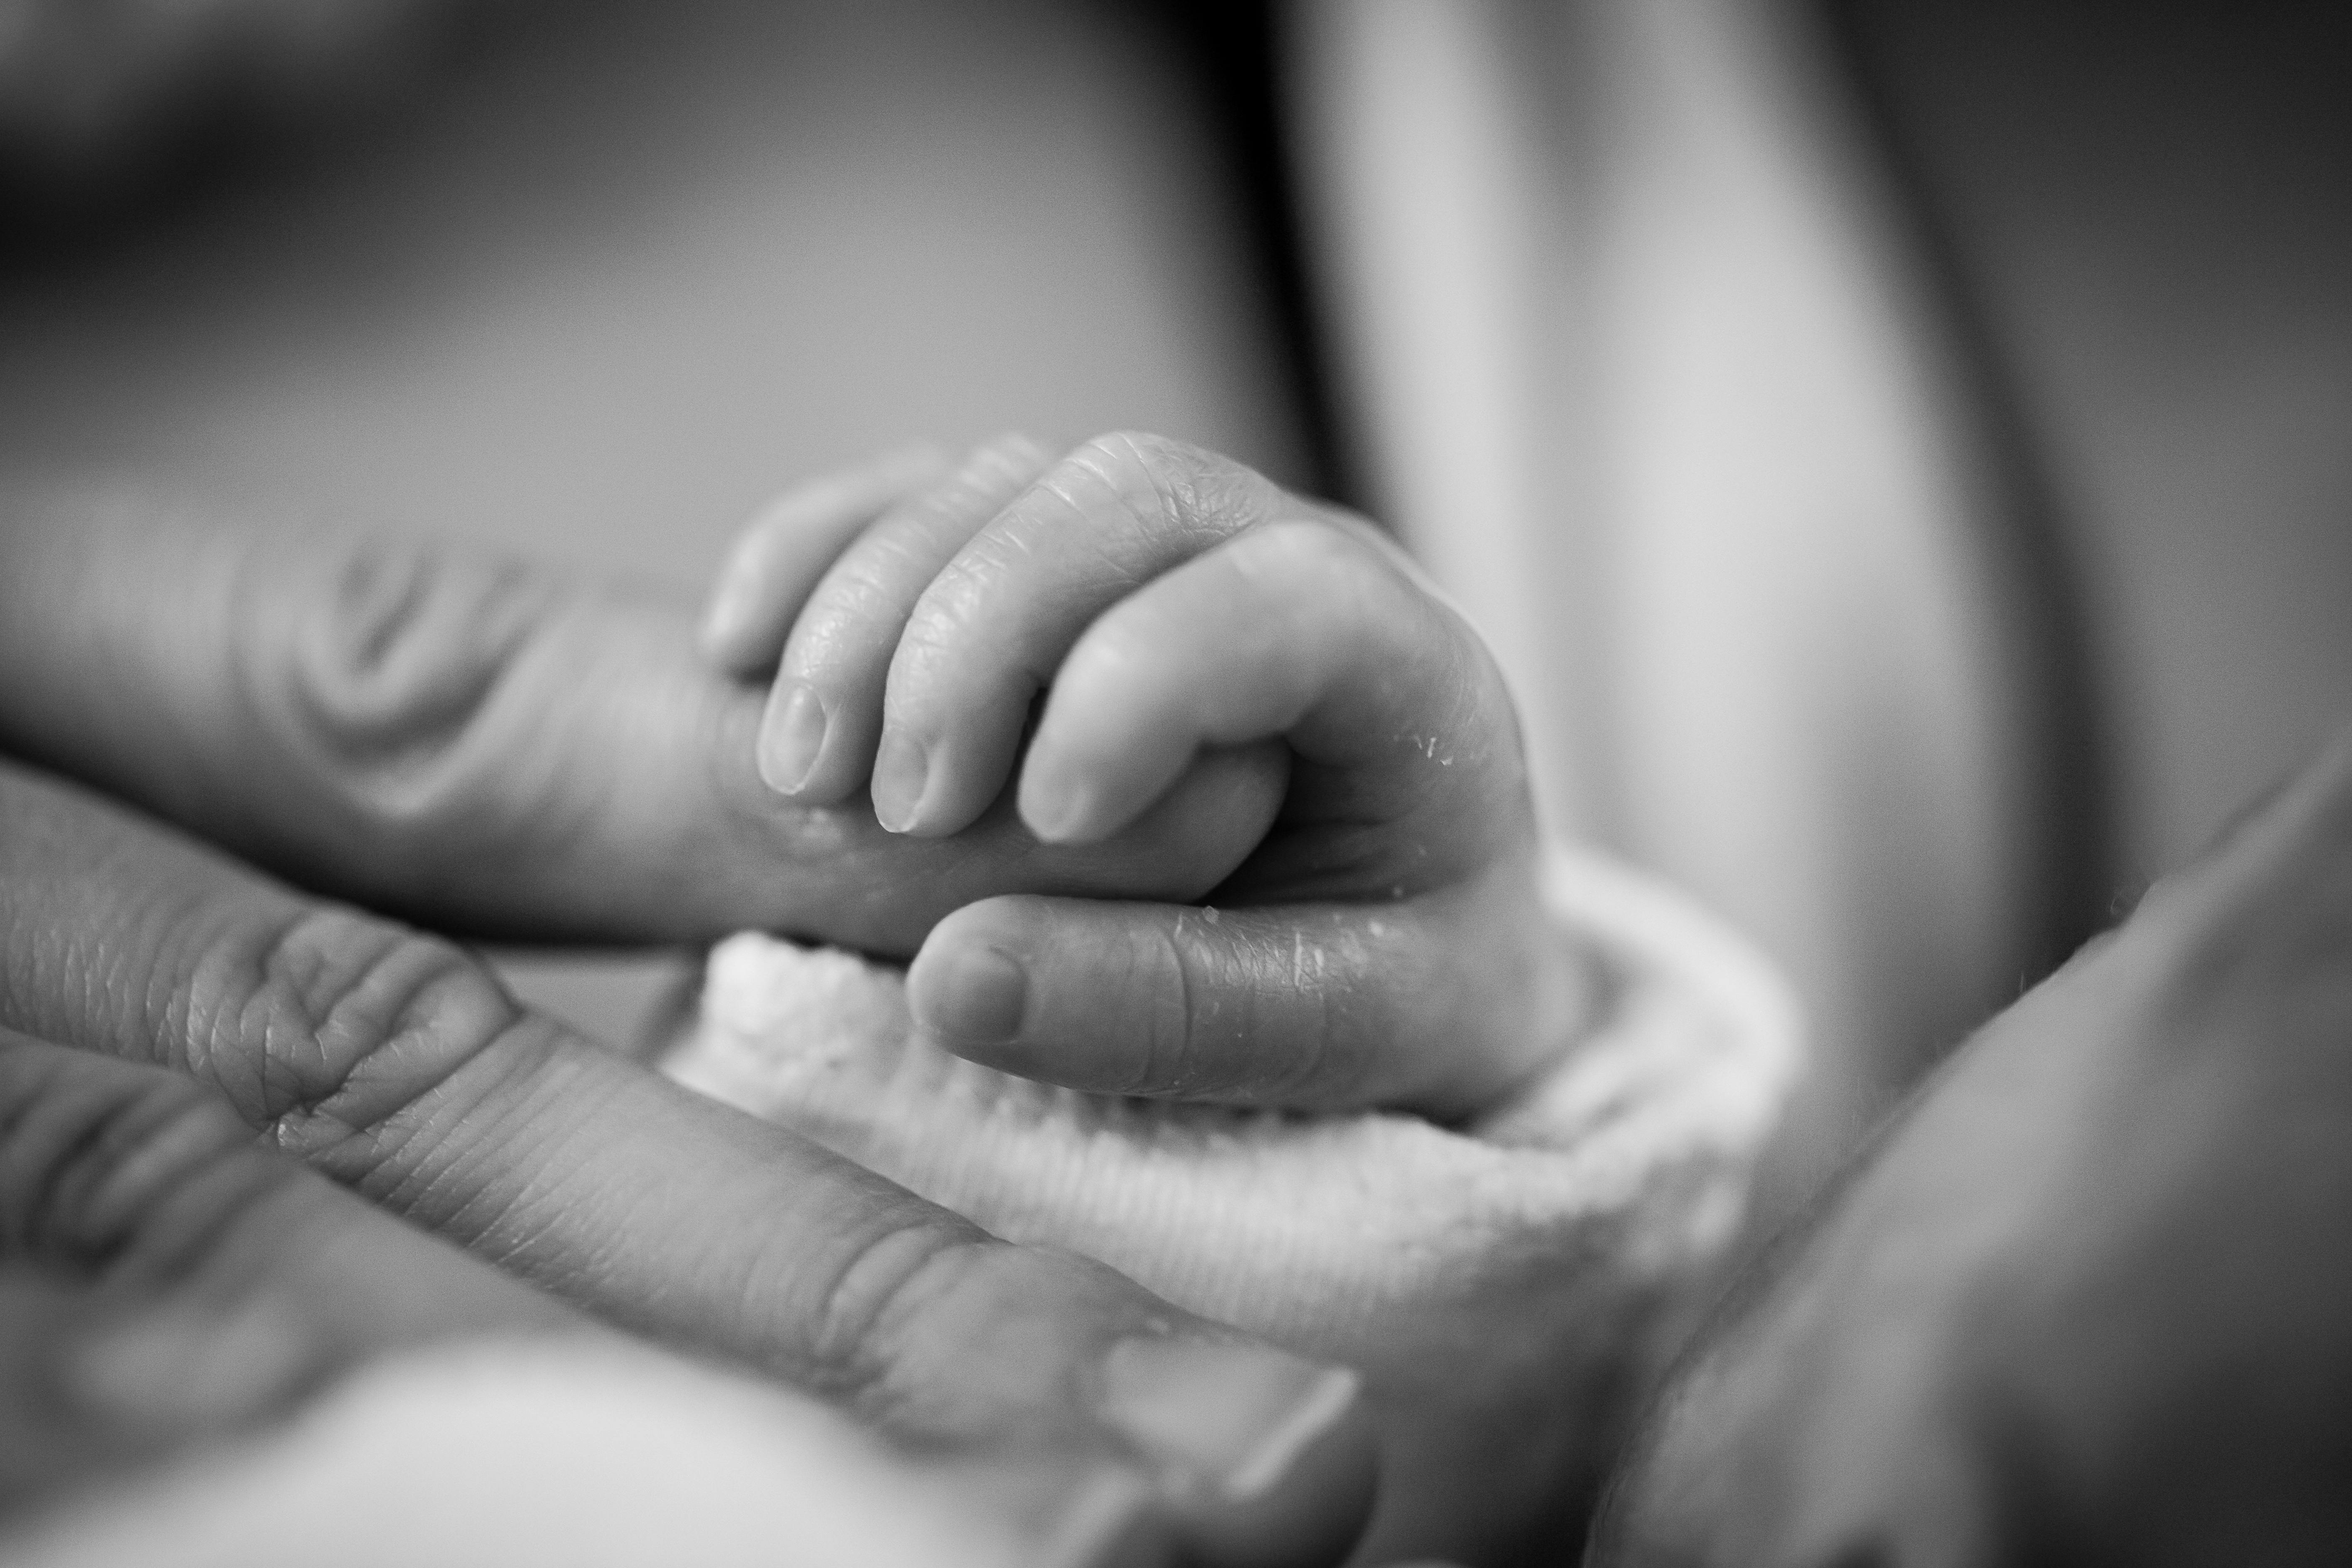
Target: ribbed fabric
[1501, 1285]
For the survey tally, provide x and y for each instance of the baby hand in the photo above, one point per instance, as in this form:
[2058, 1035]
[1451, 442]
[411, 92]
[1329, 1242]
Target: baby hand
[1381, 942]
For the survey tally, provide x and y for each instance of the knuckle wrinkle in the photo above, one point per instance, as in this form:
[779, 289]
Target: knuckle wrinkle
[330, 1026]
[395, 665]
[873, 1301]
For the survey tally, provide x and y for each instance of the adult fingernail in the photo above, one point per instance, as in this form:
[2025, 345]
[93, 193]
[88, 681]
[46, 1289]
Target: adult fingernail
[972, 996]
[791, 737]
[1109, 1520]
[900, 771]
[1237, 1416]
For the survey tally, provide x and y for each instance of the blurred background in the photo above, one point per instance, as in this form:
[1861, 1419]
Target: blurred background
[1901, 452]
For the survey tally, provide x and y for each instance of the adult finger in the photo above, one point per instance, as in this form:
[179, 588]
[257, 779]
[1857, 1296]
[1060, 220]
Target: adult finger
[599, 1455]
[777, 558]
[170, 1282]
[392, 1063]
[589, 1453]
[1432, 1004]
[1293, 629]
[143, 1186]
[989, 633]
[825, 714]
[484, 748]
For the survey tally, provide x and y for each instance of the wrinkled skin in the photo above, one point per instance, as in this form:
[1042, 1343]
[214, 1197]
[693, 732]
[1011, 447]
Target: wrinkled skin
[234, 1043]
[2089, 1298]
[225, 1100]
[246, 756]
[489, 750]
[1163, 610]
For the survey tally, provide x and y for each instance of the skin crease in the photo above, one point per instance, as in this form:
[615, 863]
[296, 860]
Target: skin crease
[392, 1063]
[493, 753]
[2020, 1327]
[166, 1279]
[477, 745]
[171, 1285]
[484, 748]
[385, 721]
[2084, 1300]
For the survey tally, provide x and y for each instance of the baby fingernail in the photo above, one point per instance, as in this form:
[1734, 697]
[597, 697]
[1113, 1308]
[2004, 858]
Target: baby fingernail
[791, 737]
[971, 996]
[1240, 1416]
[900, 771]
[1054, 811]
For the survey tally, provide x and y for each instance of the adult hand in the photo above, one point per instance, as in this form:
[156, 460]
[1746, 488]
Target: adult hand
[185, 668]
[391, 1062]
[2086, 1300]
[169, 1289]
[1382, 944]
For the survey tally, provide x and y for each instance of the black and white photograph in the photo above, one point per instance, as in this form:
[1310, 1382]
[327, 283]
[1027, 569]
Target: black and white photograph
[1175, 783]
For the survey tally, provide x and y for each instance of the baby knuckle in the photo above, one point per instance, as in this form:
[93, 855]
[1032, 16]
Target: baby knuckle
[1125, 482]
[1187, 489]
[1163, 1049]
[866, 587]
[1308, 550]
[938, 640]
[1189, 1037]
[1126, 461]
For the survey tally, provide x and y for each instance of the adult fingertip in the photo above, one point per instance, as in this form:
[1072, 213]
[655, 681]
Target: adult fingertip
[1113, 1520]
[1269, 1458]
